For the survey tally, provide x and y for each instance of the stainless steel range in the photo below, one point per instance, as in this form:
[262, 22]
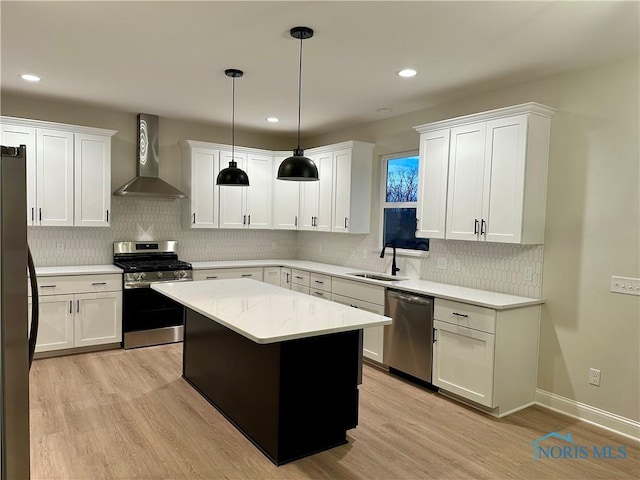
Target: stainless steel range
[150, 318]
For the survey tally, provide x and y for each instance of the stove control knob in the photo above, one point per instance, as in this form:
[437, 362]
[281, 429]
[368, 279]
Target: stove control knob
[159, 274]
[139, 276]
[179, 274]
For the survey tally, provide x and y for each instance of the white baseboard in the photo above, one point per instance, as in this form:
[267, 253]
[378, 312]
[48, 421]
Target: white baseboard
[601, 418]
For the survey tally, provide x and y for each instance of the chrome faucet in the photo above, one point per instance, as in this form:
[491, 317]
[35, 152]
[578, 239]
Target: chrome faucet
[394, 269]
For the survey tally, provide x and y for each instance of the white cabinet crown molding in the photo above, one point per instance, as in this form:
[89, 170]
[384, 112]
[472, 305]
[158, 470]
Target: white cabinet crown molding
[26, 122]
[530, 107]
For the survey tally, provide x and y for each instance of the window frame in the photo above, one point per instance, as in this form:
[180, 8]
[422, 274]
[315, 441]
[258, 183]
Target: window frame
[384, 159]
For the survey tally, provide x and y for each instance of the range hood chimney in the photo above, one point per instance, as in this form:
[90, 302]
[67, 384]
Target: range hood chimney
[147, 183]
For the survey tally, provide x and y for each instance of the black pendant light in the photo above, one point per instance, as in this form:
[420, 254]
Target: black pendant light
[298, 167]
[232, 175]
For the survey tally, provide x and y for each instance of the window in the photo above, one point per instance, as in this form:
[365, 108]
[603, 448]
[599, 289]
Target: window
[400, 201]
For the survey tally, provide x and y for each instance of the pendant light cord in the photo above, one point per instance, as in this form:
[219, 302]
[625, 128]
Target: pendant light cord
[233, 119]
[299, 91]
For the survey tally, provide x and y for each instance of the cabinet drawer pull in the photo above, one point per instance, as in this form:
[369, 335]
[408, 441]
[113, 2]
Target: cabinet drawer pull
[460, 315]
[319, 281]
[247, 274]
[47, 286]
[354, 306]
[215, 276]
[318, 294]
[298, 277]
[98, 283]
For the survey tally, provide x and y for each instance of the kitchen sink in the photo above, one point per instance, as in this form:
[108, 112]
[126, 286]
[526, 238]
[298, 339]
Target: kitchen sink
[377, 276]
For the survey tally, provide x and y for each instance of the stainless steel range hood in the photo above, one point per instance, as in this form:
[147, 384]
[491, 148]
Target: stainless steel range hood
[147, 183]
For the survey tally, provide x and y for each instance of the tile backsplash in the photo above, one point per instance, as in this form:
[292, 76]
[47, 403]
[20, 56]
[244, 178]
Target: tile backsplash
[152, 219]
[497, 267]
[512, 269]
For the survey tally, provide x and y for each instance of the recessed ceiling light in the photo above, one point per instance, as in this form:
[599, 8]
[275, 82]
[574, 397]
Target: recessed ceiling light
[29, 77]
[407, 72]
[273, 119]
[384, 110]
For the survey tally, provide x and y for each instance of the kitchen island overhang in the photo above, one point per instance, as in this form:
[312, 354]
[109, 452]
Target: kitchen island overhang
[281, 366]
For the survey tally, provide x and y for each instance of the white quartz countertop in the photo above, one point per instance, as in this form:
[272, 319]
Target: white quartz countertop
[484, 298]
[76, 270]
[265, 313]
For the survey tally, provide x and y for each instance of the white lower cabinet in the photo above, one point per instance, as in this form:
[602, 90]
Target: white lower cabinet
[369, 298]
[486, 356]
[272, 275]
[226, 273]
[285, 277]
[78, 311]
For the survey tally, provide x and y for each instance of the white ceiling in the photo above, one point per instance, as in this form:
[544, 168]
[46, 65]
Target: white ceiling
[168, 58]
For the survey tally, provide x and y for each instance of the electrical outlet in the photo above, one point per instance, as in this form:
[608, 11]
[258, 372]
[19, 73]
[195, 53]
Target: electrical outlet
[59, 248]
[442, 263]
[528, 274]
[594, 377]
[627, 285]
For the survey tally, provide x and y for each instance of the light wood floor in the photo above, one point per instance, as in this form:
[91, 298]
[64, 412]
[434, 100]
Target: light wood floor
[129, 414]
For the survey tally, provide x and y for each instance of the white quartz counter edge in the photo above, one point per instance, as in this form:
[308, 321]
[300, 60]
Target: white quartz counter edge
[483, 298]
[76, 270]
[265, 313]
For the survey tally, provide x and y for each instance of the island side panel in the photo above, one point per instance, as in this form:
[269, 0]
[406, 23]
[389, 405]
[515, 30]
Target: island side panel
[237, 376]
[318, 393]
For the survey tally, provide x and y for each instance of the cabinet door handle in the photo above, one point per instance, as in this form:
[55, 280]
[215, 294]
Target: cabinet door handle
[33, 214]
[475, 226]
[107, 215]
[287, 277]
[47, 286]
[295, 221]
[417, 221]
[483, 227]
[78, 306]
[460, 315]
[39, 214]
[247, 274]
[98, 283]
[345, 222]
[70, 306]
[244, 220]
[435, 335]
[248, 219]
[312, 222]
[215, 276]
[194, 218]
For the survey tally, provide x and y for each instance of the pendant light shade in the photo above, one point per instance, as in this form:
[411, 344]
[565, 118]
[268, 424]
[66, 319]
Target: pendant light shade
[298, 167]
[233, 176]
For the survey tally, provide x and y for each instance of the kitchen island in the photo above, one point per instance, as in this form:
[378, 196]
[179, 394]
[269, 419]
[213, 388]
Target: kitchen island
[281, 366]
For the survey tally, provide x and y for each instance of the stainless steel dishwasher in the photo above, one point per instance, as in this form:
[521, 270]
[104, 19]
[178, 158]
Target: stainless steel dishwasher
[408, 341]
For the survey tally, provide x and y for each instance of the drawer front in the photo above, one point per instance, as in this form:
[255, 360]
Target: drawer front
[465, 315]
[225, 273]
[320, 282]
[358, 290]
[300, 277]
[319, 293]
[299, 288]
[66, 284]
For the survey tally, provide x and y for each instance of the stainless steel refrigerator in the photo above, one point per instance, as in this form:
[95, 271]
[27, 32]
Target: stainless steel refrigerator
[17, 340]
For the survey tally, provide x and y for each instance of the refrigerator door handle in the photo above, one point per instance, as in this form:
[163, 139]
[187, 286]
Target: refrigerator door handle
[35, 306]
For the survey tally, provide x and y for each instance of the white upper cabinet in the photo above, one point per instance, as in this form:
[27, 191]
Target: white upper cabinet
[497, 176]
[286, 200]
[352, 175]
[92, 169]
[259, 192]
[68, 171]
[14, 136]
[233, 199]
[200, 167]
[432, 183]
[316, 197]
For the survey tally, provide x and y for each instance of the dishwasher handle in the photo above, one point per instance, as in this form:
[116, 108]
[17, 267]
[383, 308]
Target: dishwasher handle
[415, 299]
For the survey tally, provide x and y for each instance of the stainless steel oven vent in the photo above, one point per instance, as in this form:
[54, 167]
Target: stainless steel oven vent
[147, 183]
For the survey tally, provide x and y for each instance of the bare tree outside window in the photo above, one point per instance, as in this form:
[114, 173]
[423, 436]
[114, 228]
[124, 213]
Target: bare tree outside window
[402, 185]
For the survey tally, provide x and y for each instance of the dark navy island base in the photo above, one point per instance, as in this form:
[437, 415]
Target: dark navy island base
[291, 399]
